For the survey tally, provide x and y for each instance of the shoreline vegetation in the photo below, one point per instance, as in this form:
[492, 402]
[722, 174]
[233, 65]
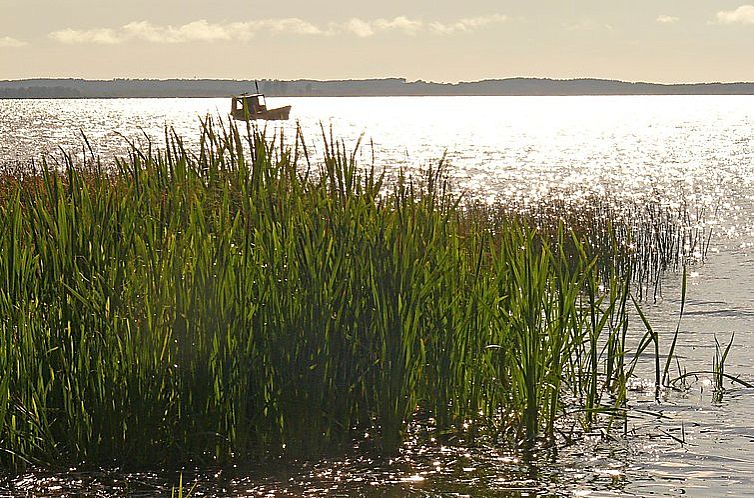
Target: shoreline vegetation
[67, 88]
[236, 302]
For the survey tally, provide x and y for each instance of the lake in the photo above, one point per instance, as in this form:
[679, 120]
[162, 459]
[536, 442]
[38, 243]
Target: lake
[696, 151]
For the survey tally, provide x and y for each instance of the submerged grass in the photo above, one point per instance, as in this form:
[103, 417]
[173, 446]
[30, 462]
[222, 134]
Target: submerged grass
[230, 303]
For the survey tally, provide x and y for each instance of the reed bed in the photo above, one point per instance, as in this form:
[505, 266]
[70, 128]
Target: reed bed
[644, 237]
[233, 302]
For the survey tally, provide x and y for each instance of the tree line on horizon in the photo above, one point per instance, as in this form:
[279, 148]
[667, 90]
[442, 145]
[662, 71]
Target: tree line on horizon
[123, 88]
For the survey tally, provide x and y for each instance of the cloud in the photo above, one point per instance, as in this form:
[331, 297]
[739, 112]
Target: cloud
[665, 19]
[363, 28]
[8, 42]
[742, 15]
[196, 31]
[204, 31]
[292, 25]
[359, 28]
[366, 28]
[103, 36]
[466, 25]
[401, 23]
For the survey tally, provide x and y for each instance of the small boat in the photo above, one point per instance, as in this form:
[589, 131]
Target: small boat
[254, 106]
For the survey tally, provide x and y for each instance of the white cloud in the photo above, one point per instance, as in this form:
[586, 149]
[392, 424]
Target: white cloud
[665, 19]
[358, 27]
[742, 15]
[104, 36]
[401, 23]
[366, 28]
[291, 25]
[408, 26]
[204, 31]
[8, 42]
[196, 31]
[466, 25]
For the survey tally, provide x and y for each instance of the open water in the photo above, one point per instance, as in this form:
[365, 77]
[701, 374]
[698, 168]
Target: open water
[697, 150]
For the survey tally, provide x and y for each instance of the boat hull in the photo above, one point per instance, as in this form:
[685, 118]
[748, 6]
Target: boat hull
[278, 114]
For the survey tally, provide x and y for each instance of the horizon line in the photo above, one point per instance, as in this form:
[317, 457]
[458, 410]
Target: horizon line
[381, 78]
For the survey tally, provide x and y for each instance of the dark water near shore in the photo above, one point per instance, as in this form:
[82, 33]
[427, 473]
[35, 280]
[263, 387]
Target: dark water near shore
[693, 150]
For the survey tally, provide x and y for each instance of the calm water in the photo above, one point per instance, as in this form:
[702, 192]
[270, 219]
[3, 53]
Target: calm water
[697, 150]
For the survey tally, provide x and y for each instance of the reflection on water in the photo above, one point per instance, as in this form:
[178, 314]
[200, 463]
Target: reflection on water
[693, 150]
[503, 144]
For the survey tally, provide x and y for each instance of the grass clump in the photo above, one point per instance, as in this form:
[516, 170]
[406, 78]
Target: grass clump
[231, 302]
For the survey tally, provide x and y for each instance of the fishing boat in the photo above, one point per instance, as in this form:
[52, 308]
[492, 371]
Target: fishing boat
[254, 106]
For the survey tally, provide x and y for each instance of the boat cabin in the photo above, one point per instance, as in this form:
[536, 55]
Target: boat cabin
[254, 106]
[251, 104]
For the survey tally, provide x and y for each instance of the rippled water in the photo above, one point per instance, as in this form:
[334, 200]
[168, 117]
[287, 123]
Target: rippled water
[698, 150]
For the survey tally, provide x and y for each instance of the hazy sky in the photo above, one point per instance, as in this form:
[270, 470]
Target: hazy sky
[437, 40]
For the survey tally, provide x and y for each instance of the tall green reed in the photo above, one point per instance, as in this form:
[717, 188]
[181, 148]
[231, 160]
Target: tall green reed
[233, 302]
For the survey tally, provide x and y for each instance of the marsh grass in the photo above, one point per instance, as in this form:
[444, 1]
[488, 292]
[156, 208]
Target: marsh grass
[181, 491]
[234, 302]
[643, 237]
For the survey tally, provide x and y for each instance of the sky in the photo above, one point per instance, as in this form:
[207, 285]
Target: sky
[664, 41]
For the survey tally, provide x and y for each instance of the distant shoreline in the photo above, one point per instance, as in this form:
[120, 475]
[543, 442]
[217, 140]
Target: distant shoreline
[384, 87]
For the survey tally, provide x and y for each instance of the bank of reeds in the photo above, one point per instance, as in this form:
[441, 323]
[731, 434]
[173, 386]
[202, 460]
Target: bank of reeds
[232, 303]
[645, 237]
